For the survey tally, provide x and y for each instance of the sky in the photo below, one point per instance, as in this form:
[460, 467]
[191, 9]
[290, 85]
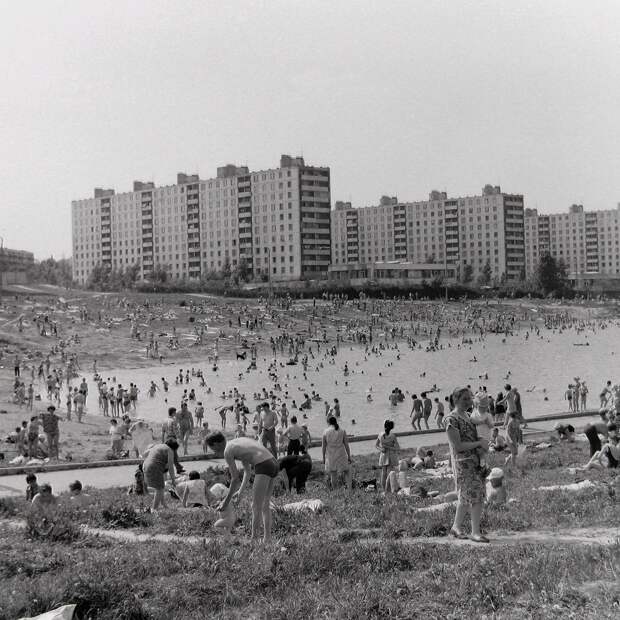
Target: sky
[397, 98]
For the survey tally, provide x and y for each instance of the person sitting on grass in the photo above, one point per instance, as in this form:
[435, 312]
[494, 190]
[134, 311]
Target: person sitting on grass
[608, 457]
[44, 503]
[32, 488]
[252, 454]
[77, 498]
[195, 493]
[566, 432]
[496, 491]
[497, 443]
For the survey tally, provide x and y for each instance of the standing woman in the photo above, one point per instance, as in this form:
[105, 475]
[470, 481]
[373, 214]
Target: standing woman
[336, 453]
[470, 484]
[388, 447]
[158, 460]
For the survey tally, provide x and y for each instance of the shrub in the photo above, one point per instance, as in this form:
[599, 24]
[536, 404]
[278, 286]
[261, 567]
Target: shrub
[125, 516]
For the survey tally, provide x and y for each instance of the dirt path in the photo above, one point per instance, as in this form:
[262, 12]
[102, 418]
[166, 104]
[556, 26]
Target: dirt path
[575, 536]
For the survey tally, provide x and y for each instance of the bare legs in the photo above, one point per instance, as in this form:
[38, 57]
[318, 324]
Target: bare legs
[261, 510]
[158, 499]
[461, 511]
[384, 476]
[348, 478]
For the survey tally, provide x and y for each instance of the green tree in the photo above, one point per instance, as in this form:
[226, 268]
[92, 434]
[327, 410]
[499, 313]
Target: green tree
[226, 271]
[468, 274]
[52, 271]
[159, 274]
[485, 277]
[551, 274]
[242, 270]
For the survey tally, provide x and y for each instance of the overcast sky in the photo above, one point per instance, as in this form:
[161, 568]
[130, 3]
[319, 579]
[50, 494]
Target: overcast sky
[396, 97]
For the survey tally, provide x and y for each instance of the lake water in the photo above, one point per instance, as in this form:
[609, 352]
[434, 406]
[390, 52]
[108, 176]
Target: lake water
[539, 367]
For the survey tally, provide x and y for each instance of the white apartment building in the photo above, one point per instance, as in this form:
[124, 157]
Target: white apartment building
[470, 230]
[276, 221]
[587, 241]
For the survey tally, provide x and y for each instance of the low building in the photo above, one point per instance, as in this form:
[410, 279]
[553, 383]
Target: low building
[14, 266]
[405, 273]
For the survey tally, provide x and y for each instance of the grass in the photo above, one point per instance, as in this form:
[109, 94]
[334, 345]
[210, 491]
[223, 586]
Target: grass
[302, 579]
[313, 569]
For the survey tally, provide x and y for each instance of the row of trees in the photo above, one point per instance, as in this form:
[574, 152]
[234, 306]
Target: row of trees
[52, 271]
[551, 275]
[105, 278]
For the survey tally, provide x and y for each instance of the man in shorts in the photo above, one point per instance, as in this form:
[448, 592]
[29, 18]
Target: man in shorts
[253, 455]
[267, 423]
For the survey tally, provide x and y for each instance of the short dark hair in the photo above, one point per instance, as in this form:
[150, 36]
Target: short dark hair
[293, 419]
[31, 478]
[193, 475]
[172, 443]
[76, 485]
[215, 438]
[172, 410]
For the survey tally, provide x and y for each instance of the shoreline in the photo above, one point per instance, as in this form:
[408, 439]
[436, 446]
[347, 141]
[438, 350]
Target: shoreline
[72, 465]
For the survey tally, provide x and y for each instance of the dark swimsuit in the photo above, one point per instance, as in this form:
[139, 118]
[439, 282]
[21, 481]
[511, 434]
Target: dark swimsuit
[269, 468]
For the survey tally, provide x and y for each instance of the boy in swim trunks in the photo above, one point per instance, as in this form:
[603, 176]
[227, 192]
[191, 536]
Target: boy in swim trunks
[251, 453]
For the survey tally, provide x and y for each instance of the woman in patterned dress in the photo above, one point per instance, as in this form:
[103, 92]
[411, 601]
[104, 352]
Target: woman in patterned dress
[470, 483]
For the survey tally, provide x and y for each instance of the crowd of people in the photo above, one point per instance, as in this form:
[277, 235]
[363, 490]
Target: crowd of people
[272, 435]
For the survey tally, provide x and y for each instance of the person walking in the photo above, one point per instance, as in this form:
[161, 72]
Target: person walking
[49, 421]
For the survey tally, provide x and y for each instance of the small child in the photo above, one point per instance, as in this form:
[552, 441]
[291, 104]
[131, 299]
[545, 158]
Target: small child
[305, 438]
[439, 412]
[483, 420]
[497, 442]
[282, 441]
[200, 412]
[78, 499]
[138, 487]
[32, 487]
[387, 445]
[227, 519]
[116, 437]
[204, 432]
[239, 432]
[496, 492]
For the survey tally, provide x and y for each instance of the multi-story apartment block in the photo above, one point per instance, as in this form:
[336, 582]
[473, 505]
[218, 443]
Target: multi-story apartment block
[275, 222]
[471, 230]
[586, 241]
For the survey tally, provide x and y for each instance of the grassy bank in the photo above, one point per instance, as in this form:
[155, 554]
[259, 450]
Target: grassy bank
[317, 567]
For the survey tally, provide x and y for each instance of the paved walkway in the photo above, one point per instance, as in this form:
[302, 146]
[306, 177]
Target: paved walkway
[122, 475]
